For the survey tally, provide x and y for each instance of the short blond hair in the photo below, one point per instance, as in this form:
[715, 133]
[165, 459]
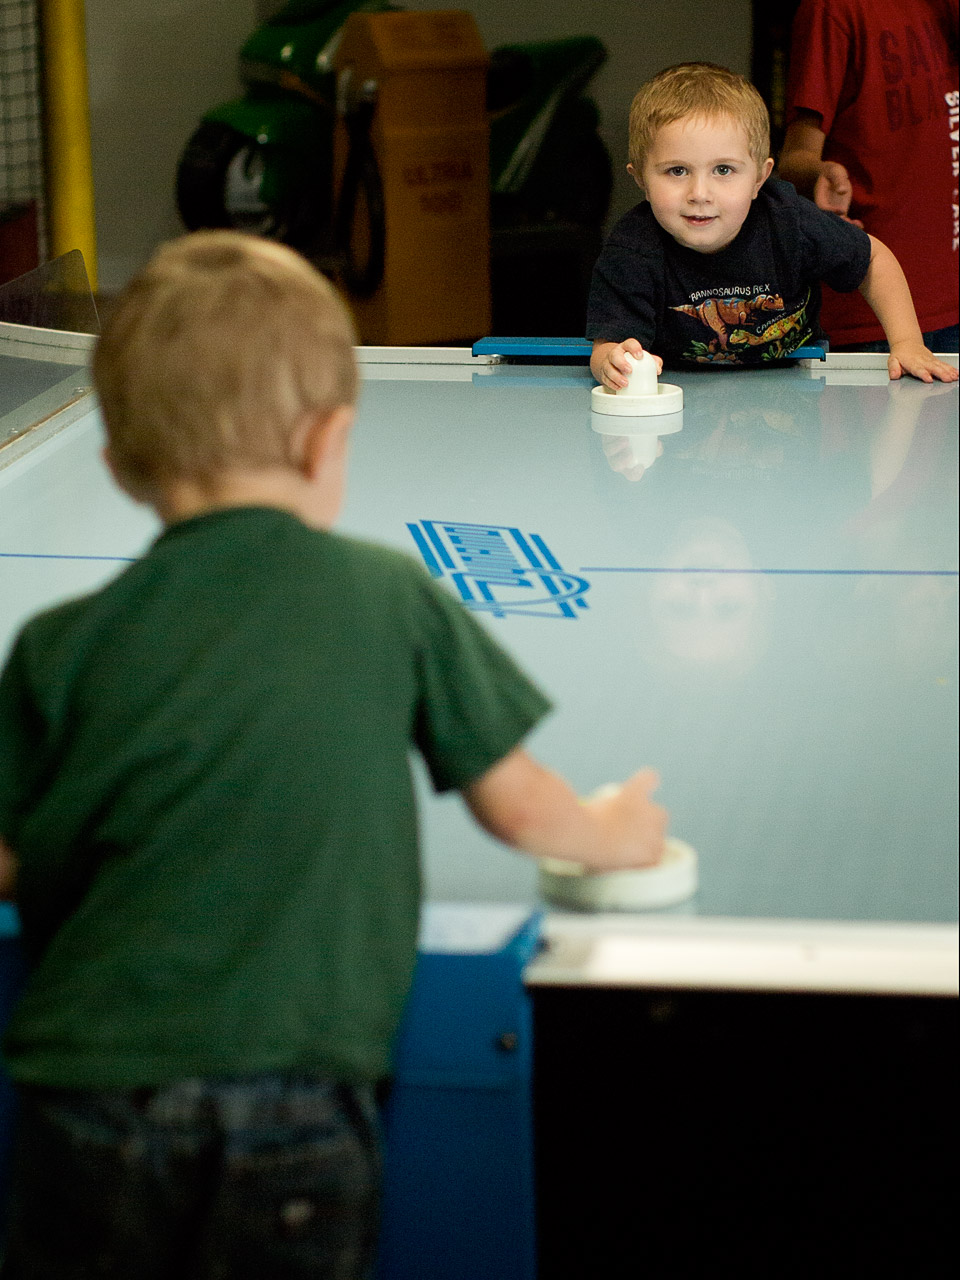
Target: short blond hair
[213, 354]
[697, 90]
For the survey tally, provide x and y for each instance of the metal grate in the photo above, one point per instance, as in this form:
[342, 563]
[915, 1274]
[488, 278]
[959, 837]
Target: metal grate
[21, 107]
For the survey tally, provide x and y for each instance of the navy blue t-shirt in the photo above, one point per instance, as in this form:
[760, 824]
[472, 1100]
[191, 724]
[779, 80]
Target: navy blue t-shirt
[754, 301]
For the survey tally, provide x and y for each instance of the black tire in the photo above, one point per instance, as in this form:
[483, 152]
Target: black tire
[202, 175]
[215, 156]
[361, 212]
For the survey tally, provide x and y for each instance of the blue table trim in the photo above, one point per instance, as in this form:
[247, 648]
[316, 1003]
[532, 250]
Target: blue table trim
[580, 348]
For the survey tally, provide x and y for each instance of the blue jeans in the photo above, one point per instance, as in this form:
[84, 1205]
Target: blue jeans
[272, 1177]
[940, 340]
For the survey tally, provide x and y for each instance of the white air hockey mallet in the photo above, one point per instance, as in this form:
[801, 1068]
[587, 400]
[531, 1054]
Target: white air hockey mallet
[672, 880]
[644, 396]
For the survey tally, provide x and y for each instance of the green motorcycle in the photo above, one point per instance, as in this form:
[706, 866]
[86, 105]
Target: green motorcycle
[264, 161]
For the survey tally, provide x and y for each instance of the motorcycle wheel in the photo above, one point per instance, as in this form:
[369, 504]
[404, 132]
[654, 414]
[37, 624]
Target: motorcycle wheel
[219, 181]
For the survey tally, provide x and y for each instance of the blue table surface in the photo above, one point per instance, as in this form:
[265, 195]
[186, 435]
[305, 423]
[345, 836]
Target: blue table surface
[767, 613]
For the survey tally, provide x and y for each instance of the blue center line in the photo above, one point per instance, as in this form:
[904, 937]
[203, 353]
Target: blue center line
[848, 573]
[596, 568]
[45, 555]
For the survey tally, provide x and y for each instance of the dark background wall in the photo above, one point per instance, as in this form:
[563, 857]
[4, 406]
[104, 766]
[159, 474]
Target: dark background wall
[154, 69]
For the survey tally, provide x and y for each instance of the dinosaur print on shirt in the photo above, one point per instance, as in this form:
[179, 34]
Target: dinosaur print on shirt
[735, 321]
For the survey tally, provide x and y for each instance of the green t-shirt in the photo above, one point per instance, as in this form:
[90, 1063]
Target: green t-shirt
[205, 776]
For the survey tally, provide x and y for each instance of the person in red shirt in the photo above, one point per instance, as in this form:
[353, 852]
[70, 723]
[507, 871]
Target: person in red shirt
[872, 111]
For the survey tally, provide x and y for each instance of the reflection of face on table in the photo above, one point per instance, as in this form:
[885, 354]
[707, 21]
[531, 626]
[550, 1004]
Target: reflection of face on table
[716, 619]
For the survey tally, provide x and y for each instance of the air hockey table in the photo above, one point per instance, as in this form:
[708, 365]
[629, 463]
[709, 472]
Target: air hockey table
[760, 600]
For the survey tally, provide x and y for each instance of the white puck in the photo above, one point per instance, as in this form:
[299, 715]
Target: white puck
[673, 879]
[668, 399]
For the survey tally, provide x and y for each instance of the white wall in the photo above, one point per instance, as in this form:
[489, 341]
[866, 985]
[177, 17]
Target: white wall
[156, 67]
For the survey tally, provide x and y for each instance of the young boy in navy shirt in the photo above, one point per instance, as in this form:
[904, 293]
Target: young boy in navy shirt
[207, 813]
[722, 264]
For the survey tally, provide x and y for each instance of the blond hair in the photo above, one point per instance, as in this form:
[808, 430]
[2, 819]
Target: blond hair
[698, 90]
[213, 354]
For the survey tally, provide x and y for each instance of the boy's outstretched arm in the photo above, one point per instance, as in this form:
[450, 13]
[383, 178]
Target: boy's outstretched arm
[536, 811]
[8, 872]
[886, 290]
[609, 365]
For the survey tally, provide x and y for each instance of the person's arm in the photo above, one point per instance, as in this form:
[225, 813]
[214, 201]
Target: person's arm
[537, 812]
[609, 364]
[8, 872]
[886, 290]
[825, 182]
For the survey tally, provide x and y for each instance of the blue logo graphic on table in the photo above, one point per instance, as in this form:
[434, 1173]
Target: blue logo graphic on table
[498, 569]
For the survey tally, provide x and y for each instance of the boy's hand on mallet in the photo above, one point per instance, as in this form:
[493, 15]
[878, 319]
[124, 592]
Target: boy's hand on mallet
[609, 364]
[916, 359]
[633, 826]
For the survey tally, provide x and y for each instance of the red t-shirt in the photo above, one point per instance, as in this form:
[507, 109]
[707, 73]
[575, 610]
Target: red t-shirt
[883, 77]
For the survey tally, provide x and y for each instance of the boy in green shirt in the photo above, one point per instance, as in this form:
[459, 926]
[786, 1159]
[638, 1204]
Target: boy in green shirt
[206, 809]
